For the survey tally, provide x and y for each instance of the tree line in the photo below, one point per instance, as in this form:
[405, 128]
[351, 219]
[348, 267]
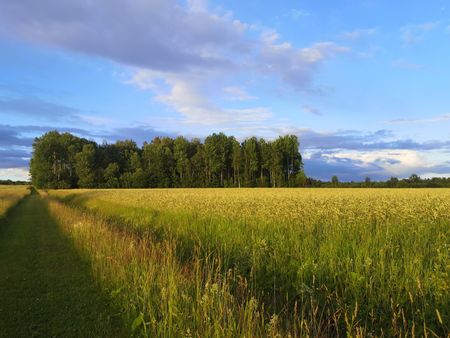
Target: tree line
[413, 181]
[63, 160]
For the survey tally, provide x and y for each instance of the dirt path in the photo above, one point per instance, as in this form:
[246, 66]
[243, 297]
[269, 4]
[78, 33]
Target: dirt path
[46, 289]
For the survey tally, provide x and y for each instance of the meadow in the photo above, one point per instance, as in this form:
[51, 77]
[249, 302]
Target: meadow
[267, 262]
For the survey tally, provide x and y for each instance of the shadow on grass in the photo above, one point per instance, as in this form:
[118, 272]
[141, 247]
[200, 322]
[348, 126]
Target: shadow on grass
[46, 289]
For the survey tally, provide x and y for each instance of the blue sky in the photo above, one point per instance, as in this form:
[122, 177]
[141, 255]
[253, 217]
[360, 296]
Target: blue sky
[364, 84]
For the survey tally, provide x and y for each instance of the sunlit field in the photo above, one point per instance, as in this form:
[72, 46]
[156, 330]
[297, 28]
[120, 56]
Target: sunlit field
[276, 262]
[10, 195]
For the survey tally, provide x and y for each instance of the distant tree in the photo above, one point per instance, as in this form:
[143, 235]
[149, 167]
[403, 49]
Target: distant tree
[414, 179]
[67, 161]
[265, 149]
[137, 178]
[275, 163]
[53, 160]
[123, 152]
[159, 162]
[301, 179]
[85, 167]
[392, 182]
[182, 162]
[111, 176]
[236, 161]
[216, 153]
[335, 181]
[292, 161]
[367, 182]
[252, 161]
[199, 170]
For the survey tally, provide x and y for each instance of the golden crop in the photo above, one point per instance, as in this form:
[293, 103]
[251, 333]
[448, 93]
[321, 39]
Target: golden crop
[300, 206]
[374, 260]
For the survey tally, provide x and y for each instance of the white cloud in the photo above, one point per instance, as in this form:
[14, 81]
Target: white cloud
[295, 66]
[183, 54]
[434, 174]
[234, 93]
[358, 34]
[14, 174]
[188, 95]
[312, 110]
[392, 162]
[160, 34]
[413, 34]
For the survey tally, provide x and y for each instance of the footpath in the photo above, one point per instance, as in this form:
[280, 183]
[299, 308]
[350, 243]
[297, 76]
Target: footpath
[46, 289]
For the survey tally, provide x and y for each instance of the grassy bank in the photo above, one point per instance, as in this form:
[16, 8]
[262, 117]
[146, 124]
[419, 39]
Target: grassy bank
[46, 290]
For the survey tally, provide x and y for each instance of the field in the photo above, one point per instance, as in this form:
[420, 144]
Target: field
[9, 196]
[267, 262]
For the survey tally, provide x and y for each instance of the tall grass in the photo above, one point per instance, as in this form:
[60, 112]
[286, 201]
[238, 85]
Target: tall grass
[159, 295]
[9, 196]
[302, 262]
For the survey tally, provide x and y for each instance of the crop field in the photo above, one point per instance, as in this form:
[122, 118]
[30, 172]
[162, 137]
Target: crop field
[267, 262]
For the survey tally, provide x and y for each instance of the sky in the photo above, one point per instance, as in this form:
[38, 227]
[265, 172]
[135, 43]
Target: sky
[364, 84]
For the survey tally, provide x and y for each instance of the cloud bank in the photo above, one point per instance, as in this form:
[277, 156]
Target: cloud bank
[177, 52]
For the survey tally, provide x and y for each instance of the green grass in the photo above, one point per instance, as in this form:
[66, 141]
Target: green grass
[46, 289]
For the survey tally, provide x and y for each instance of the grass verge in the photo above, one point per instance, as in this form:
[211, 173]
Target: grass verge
[46, 289]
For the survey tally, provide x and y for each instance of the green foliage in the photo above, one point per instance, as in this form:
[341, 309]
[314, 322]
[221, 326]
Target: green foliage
[53, 161]
[66, 161]
[111, 176]
[85, 167]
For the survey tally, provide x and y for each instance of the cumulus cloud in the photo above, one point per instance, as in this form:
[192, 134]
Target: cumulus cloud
[378, 164]
[354, 155]
[14, 174]
[157, 34]
[295, 66]
[172, 42]
[189, 95]
[198, 109]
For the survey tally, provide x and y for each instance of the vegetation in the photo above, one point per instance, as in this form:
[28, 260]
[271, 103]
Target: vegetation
[413, 181]
[9, 196]
[67, 161]
[46, 290]
[276, 262]
[11, 182]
